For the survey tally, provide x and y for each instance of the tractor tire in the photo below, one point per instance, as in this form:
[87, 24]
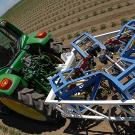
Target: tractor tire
[29, 104]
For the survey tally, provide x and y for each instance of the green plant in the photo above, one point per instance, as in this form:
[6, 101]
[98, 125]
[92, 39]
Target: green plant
[123, 21]
[102, 11]
[66, 24]
[63, 15]
[102, 26]
[127, 4]
[53, 28]
[110, 9]
[119, 6]
[4, 129]
[95, 13]
[133, 17]
[11, 131]
[77, 34]
[113, 24]
[79, 9]
[72, 21]
[89, 6]
[85, 30]
[49, 31]
[0, 126]
[60, 26]
[69, 36]
[62, 39]
[68, 13]
[84, 7]
[78, 19]
[86, 16]
[56, 12]
[96, 3]
[93, 29]
[73, 12]
[103, 1]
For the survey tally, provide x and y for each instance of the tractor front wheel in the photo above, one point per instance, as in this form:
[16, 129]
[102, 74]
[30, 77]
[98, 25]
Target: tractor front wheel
[29, 104]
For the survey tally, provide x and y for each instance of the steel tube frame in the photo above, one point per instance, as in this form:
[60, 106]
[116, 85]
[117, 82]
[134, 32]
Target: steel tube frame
[70, 108]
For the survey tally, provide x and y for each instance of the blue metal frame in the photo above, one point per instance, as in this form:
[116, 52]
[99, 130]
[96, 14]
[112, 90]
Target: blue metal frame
[61, 84]
[93, 79]
[83, 37]
[123, 53]
[127, 26]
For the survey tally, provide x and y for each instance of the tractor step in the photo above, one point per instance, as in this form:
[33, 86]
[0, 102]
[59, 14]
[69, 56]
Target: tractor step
[26, 90]
[37, 96]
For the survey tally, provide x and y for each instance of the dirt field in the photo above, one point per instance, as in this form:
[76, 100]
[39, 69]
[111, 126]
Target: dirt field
[22, 126]
[66, 19]
[14, 124]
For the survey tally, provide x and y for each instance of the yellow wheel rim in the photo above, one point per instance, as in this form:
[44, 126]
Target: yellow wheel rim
[22, 109]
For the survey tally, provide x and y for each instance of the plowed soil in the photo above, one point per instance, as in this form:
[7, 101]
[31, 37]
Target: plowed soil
[63, 18]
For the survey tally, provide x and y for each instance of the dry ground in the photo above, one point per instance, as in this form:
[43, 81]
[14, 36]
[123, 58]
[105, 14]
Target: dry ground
[68, 18]
[63, 18]
[23, 126]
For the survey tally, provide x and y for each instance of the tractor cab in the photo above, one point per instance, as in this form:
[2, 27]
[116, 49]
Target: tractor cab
[9, 43]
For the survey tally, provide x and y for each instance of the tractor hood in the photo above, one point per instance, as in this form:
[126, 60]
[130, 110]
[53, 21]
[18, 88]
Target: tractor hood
[26, 39]
[38, 38]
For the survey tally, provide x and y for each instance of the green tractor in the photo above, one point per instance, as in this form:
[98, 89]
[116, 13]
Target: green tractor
[26, 63]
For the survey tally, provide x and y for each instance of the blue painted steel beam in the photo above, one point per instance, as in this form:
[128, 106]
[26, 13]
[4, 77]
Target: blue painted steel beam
[75, 43]
[93, 79]
[128, 44]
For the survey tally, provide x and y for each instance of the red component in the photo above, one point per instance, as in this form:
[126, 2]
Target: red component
[125, 37]
[85, 65]
[71, 86]
[112, 42]
[78, 72]
[41, 34]
[85, 60]
[5, 84]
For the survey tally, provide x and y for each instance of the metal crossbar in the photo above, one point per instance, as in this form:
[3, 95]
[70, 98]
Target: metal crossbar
[115, 110]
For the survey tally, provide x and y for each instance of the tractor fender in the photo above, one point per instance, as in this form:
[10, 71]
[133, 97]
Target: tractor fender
[32, 39]
[15, 80]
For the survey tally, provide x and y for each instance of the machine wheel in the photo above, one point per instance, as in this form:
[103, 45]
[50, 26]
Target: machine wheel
[29, 104]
